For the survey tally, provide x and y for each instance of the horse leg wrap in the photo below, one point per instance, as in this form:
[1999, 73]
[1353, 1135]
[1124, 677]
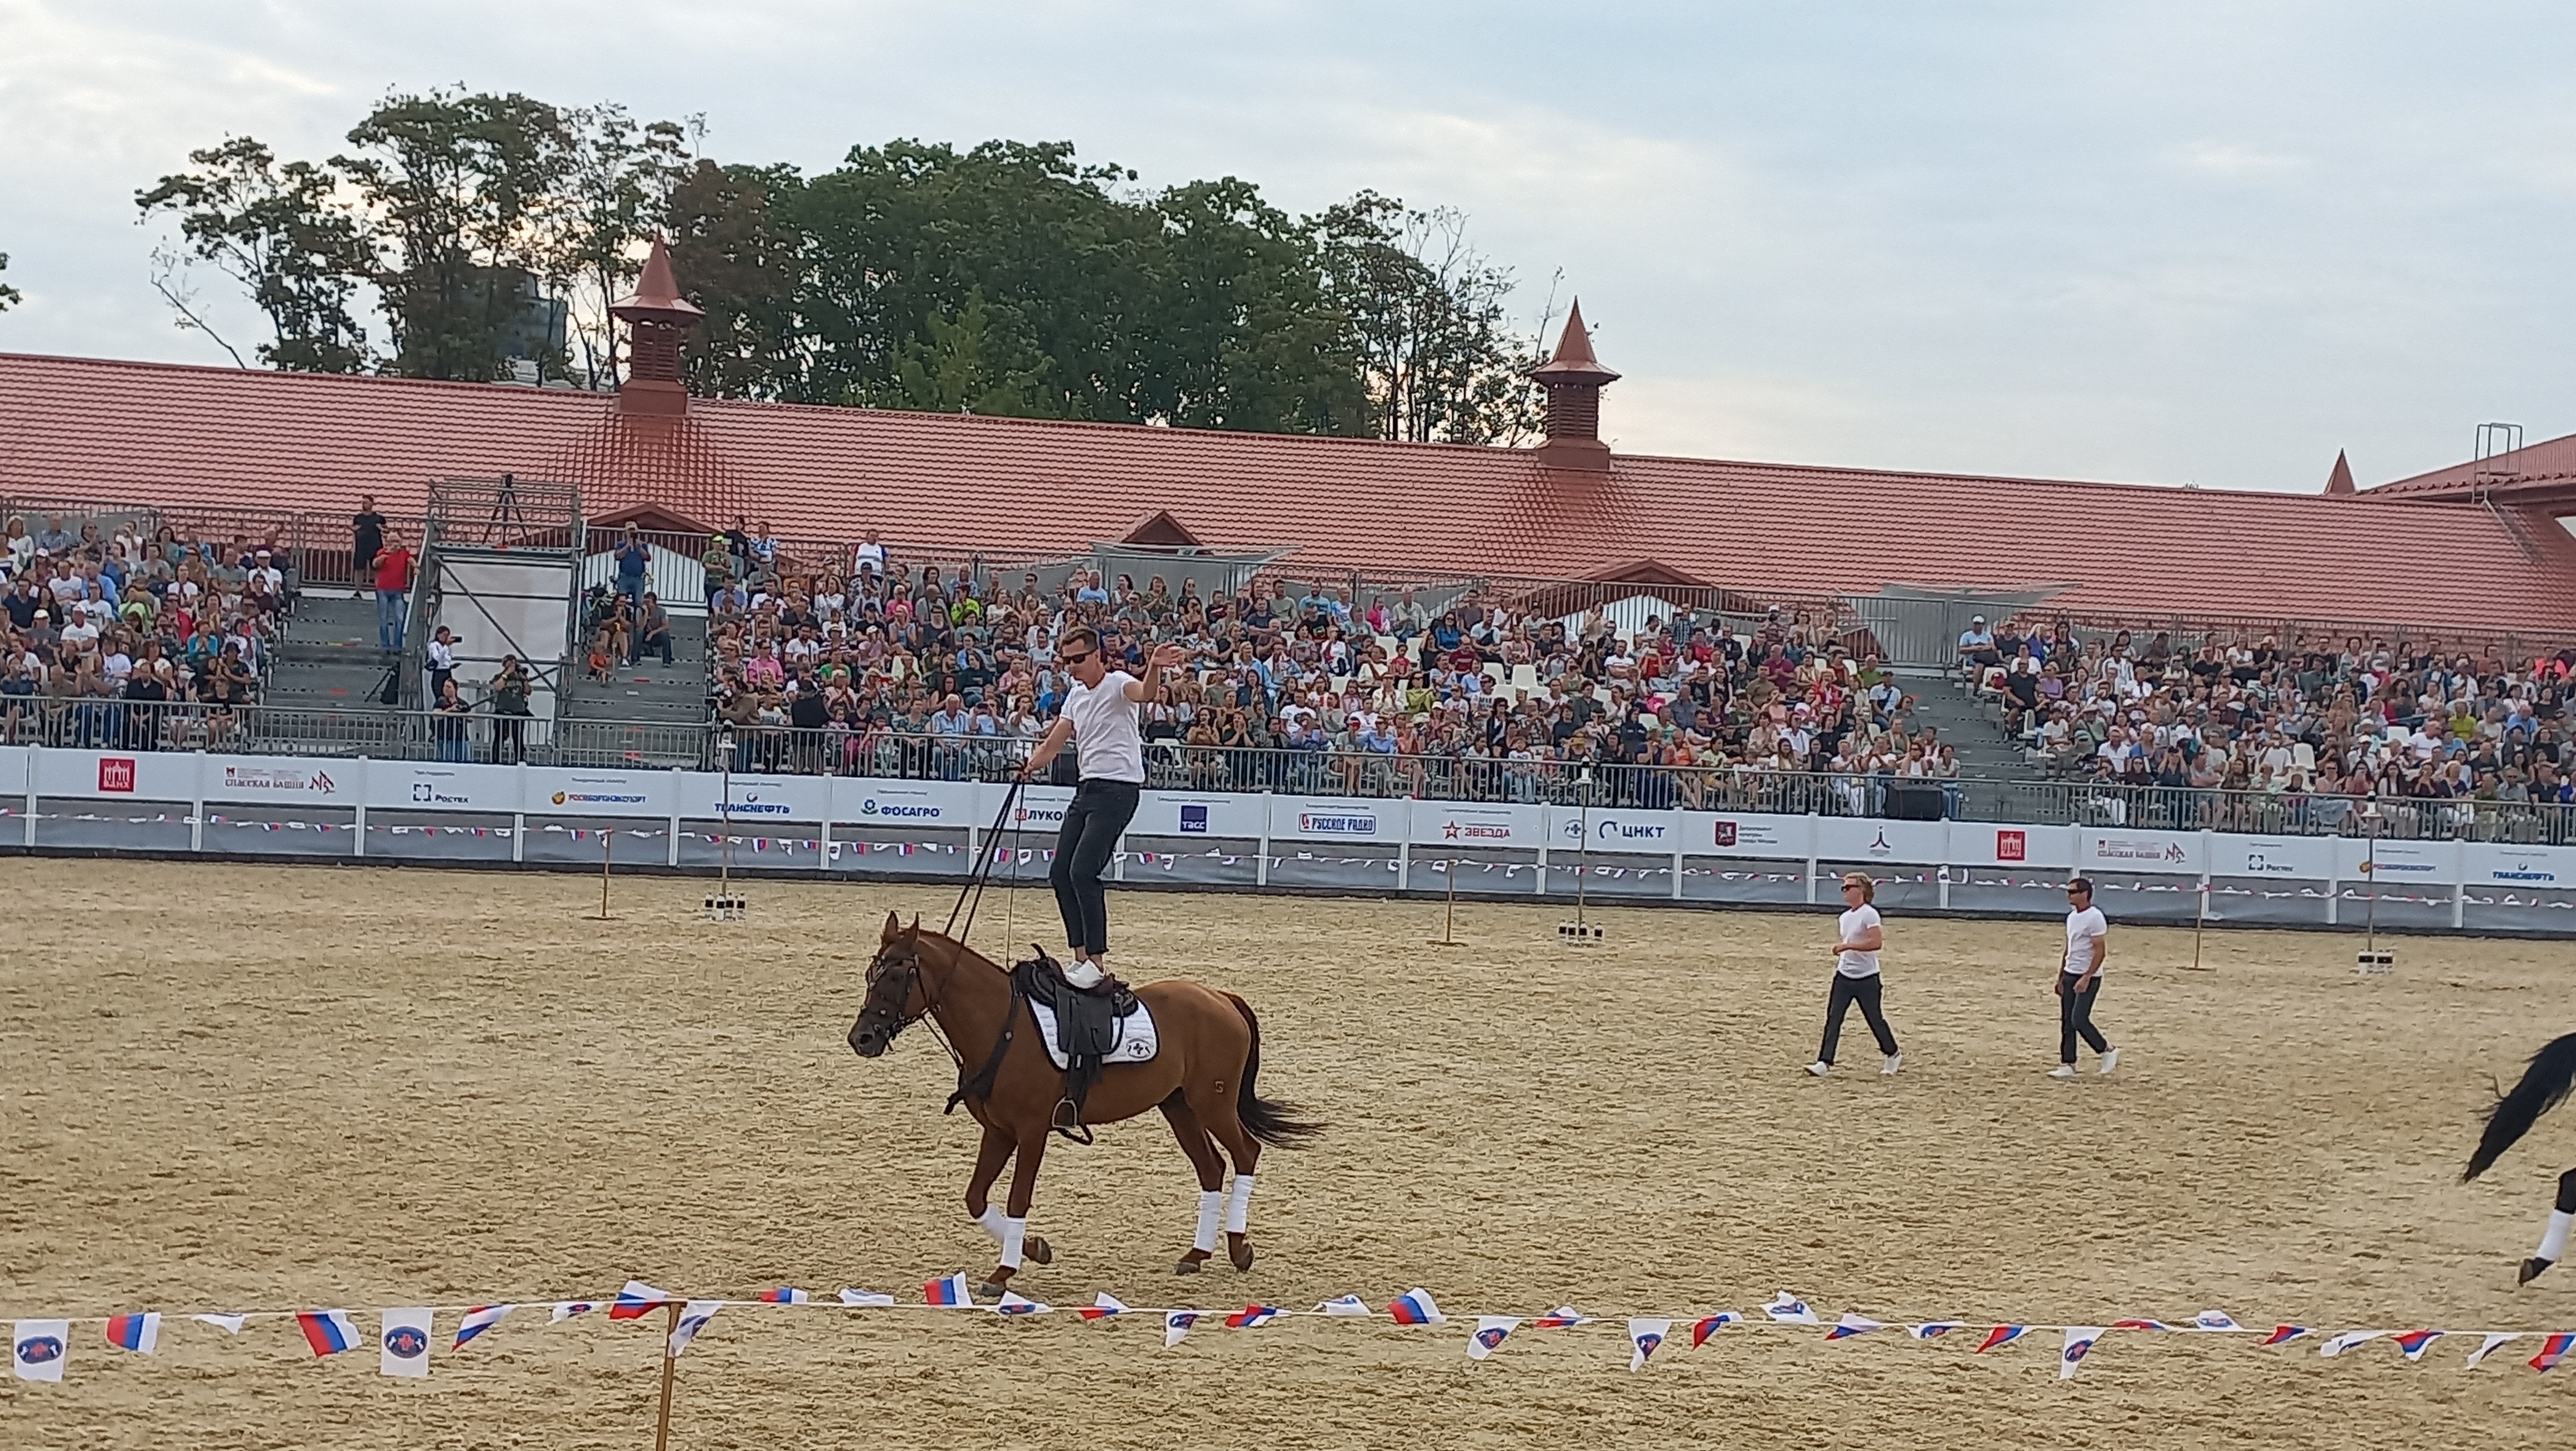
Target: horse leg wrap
[2553, 1240]
[991, 1221]
[1014, 1231]
[1211, 1209]
[1238, 1207]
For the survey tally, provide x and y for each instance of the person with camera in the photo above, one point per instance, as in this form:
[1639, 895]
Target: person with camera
[510, 688]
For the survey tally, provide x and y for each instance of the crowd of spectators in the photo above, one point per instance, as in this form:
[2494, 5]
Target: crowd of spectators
[894, 668]
[111, 639]
[2257, 735]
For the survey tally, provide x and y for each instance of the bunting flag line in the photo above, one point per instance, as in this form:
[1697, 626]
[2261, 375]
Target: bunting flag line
[2140, 1325]
[1708, 1325]
[403, 1347]
[2284, 1334]
[1491, 1332]
[1350, 1305]
[1935, 1329]
[328, 1331]
[1013, 1304]
[2080, 1340]
[138, 1333]
[2553, 1349]
[1102, 1306]
[478, 1320]
[1563, 1317]
[2001, 1335]
[1645, 1337]
[1415, 1307]
[949, 1292]
[566, 1309]
[1177, 1323]
[693, 1318]
[637, 1300]
[1787, 1309]
[2494, 1341]
[2416, 1342]
[1252, 1317]
[866, 1297]
[1851, 1325]
[2337, 1345]
[785, 1295]
[2214, 1320]
[37, 1348]
[229, 1324]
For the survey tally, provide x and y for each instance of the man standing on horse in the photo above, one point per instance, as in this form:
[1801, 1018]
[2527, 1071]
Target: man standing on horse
[1100, 718]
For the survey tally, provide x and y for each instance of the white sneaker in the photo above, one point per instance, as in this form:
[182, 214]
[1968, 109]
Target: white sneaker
[2062, 1070]
[1894, 1062]
[1820, 1068]
[2110, 1060]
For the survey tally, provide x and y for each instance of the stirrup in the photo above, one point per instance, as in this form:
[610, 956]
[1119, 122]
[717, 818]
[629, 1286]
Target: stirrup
[1067, 1120]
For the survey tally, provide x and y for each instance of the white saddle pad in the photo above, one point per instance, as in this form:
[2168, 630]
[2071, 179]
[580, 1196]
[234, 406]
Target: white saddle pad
[1136, 1042]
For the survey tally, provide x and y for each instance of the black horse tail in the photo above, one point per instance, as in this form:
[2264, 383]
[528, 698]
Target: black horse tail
[2545, 1085]
[1265, 1119]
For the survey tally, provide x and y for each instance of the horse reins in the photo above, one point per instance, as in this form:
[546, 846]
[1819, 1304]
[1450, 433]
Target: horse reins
[971, 896]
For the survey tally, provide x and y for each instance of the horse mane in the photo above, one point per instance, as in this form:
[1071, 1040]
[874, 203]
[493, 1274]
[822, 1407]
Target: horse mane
[2545, 1084]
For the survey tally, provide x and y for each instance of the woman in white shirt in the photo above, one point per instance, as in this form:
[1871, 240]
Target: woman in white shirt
[1856, 978]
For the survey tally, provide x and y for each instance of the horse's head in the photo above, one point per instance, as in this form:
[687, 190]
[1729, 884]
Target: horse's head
[898, 989]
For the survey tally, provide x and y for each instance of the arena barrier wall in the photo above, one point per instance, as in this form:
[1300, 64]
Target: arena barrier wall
[355, 808]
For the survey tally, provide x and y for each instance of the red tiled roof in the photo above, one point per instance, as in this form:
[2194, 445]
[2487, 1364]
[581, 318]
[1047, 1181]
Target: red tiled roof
[2545, 470]
[147, 432]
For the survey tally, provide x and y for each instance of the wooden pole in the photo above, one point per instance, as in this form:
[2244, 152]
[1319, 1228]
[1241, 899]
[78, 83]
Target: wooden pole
[607, 844]
[1449, 928]
[2199, 920]
[670, 1363]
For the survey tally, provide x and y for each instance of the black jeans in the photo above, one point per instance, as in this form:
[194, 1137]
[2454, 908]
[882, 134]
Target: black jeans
[2075, 1016]
[1847, 991]
[1093, 822]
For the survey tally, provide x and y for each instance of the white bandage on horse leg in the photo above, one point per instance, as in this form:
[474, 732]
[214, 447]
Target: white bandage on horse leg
[1211, 1209]
[1238, 1208]
[991, 1221]
[2553, 1240]
[1014, 1231]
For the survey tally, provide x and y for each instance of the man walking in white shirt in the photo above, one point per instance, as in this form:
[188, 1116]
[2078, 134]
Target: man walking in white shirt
[1856, 976]
[2079, 980]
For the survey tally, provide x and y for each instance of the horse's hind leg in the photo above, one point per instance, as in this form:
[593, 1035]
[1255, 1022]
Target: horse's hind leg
[2553, 1240]
[1203, 1157]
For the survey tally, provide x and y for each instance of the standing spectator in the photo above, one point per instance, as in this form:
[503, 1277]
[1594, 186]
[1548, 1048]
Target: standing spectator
[1856, 976]
[438, 666]
[869, 558]
[510, 689]
[450, 723]
[634, 560]
[366, 536]
[393, 580]
[718, 564]
[2079, 980]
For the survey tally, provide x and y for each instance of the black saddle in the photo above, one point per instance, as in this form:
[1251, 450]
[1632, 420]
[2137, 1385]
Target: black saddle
[1090, 1023]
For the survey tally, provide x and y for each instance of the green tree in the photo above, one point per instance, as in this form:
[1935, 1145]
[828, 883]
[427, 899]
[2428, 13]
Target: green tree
[614, 193]
[975, 361]
[459, 188]
[284, 234]
[1427, 319]
[737, 259]
[1250, 341]
[9, 296]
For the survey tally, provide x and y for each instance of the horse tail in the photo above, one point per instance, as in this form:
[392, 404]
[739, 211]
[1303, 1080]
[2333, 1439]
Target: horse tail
[1266, 1119]
[2545, 1085]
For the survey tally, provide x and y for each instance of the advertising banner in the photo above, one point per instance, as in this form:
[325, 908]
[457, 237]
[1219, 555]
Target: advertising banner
[747, 800]
[278, 780]
[2497, 864]
[1649, 833]
[2115, 849]
[577, 791]
[1869, 839]
[2037, 848]
[1192, 813]
[2401, 864]
[1336, 818]
[1476, 823]
[138, 775]
[424, 786]
[948, 805]
[1782, 838]
[2308, 857]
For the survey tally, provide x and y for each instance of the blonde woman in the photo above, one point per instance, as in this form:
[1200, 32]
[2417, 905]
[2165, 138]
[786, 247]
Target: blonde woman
[1856, 978]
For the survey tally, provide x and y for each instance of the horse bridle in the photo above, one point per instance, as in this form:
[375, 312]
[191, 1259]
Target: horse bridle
[915, 976]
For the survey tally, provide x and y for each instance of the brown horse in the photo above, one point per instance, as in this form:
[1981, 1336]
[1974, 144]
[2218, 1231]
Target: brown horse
[1202, 1078]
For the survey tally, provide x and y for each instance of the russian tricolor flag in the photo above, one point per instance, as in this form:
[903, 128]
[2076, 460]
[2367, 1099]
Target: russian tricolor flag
[2553, 1350]
[1851, 1325]
[2416, 1342]
[785, 1295]
[2140, 1325]
[1414, 1307]
[2284, 1334]
[950, 1291]
[637, 1300]
[328, 1331]
[1563, 1317]
[1252, 1317]
[1102, 1306]
[2001, 1335]
[138, 1333]
[1708, 1325]
[479, 1319]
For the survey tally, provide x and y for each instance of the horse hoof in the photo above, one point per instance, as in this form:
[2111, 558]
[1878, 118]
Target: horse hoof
[1036, 1249]
[2531, 1269]
[991, 1289]
[1241, 1254]
[1186, 1267]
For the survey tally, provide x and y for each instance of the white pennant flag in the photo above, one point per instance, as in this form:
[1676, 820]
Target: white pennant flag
[2214, 1320]
[1177, 1323]
[1351, 1305]
[693, 1318]
[865, 1297]
[1645, 1337]
[2080, 1340]
[1788, 1309]
[229, 1324]
[1491, 1331]
[566, 1309]
[1935, 1329]
[37, 1348]
[403, 1349]
[2495, 1340]
[2347, 1340]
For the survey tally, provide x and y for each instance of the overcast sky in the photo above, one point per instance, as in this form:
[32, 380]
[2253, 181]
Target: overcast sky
[2171, 242]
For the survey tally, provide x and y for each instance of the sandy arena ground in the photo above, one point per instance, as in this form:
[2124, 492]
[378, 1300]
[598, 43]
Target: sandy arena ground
[310, 1086]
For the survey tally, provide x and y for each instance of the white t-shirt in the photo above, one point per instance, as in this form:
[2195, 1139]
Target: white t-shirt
[1105, 733]
[2083, 929]
[1855, 922]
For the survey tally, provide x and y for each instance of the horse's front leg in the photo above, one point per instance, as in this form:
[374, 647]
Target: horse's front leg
[989, 1159]
[1027, 1155]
